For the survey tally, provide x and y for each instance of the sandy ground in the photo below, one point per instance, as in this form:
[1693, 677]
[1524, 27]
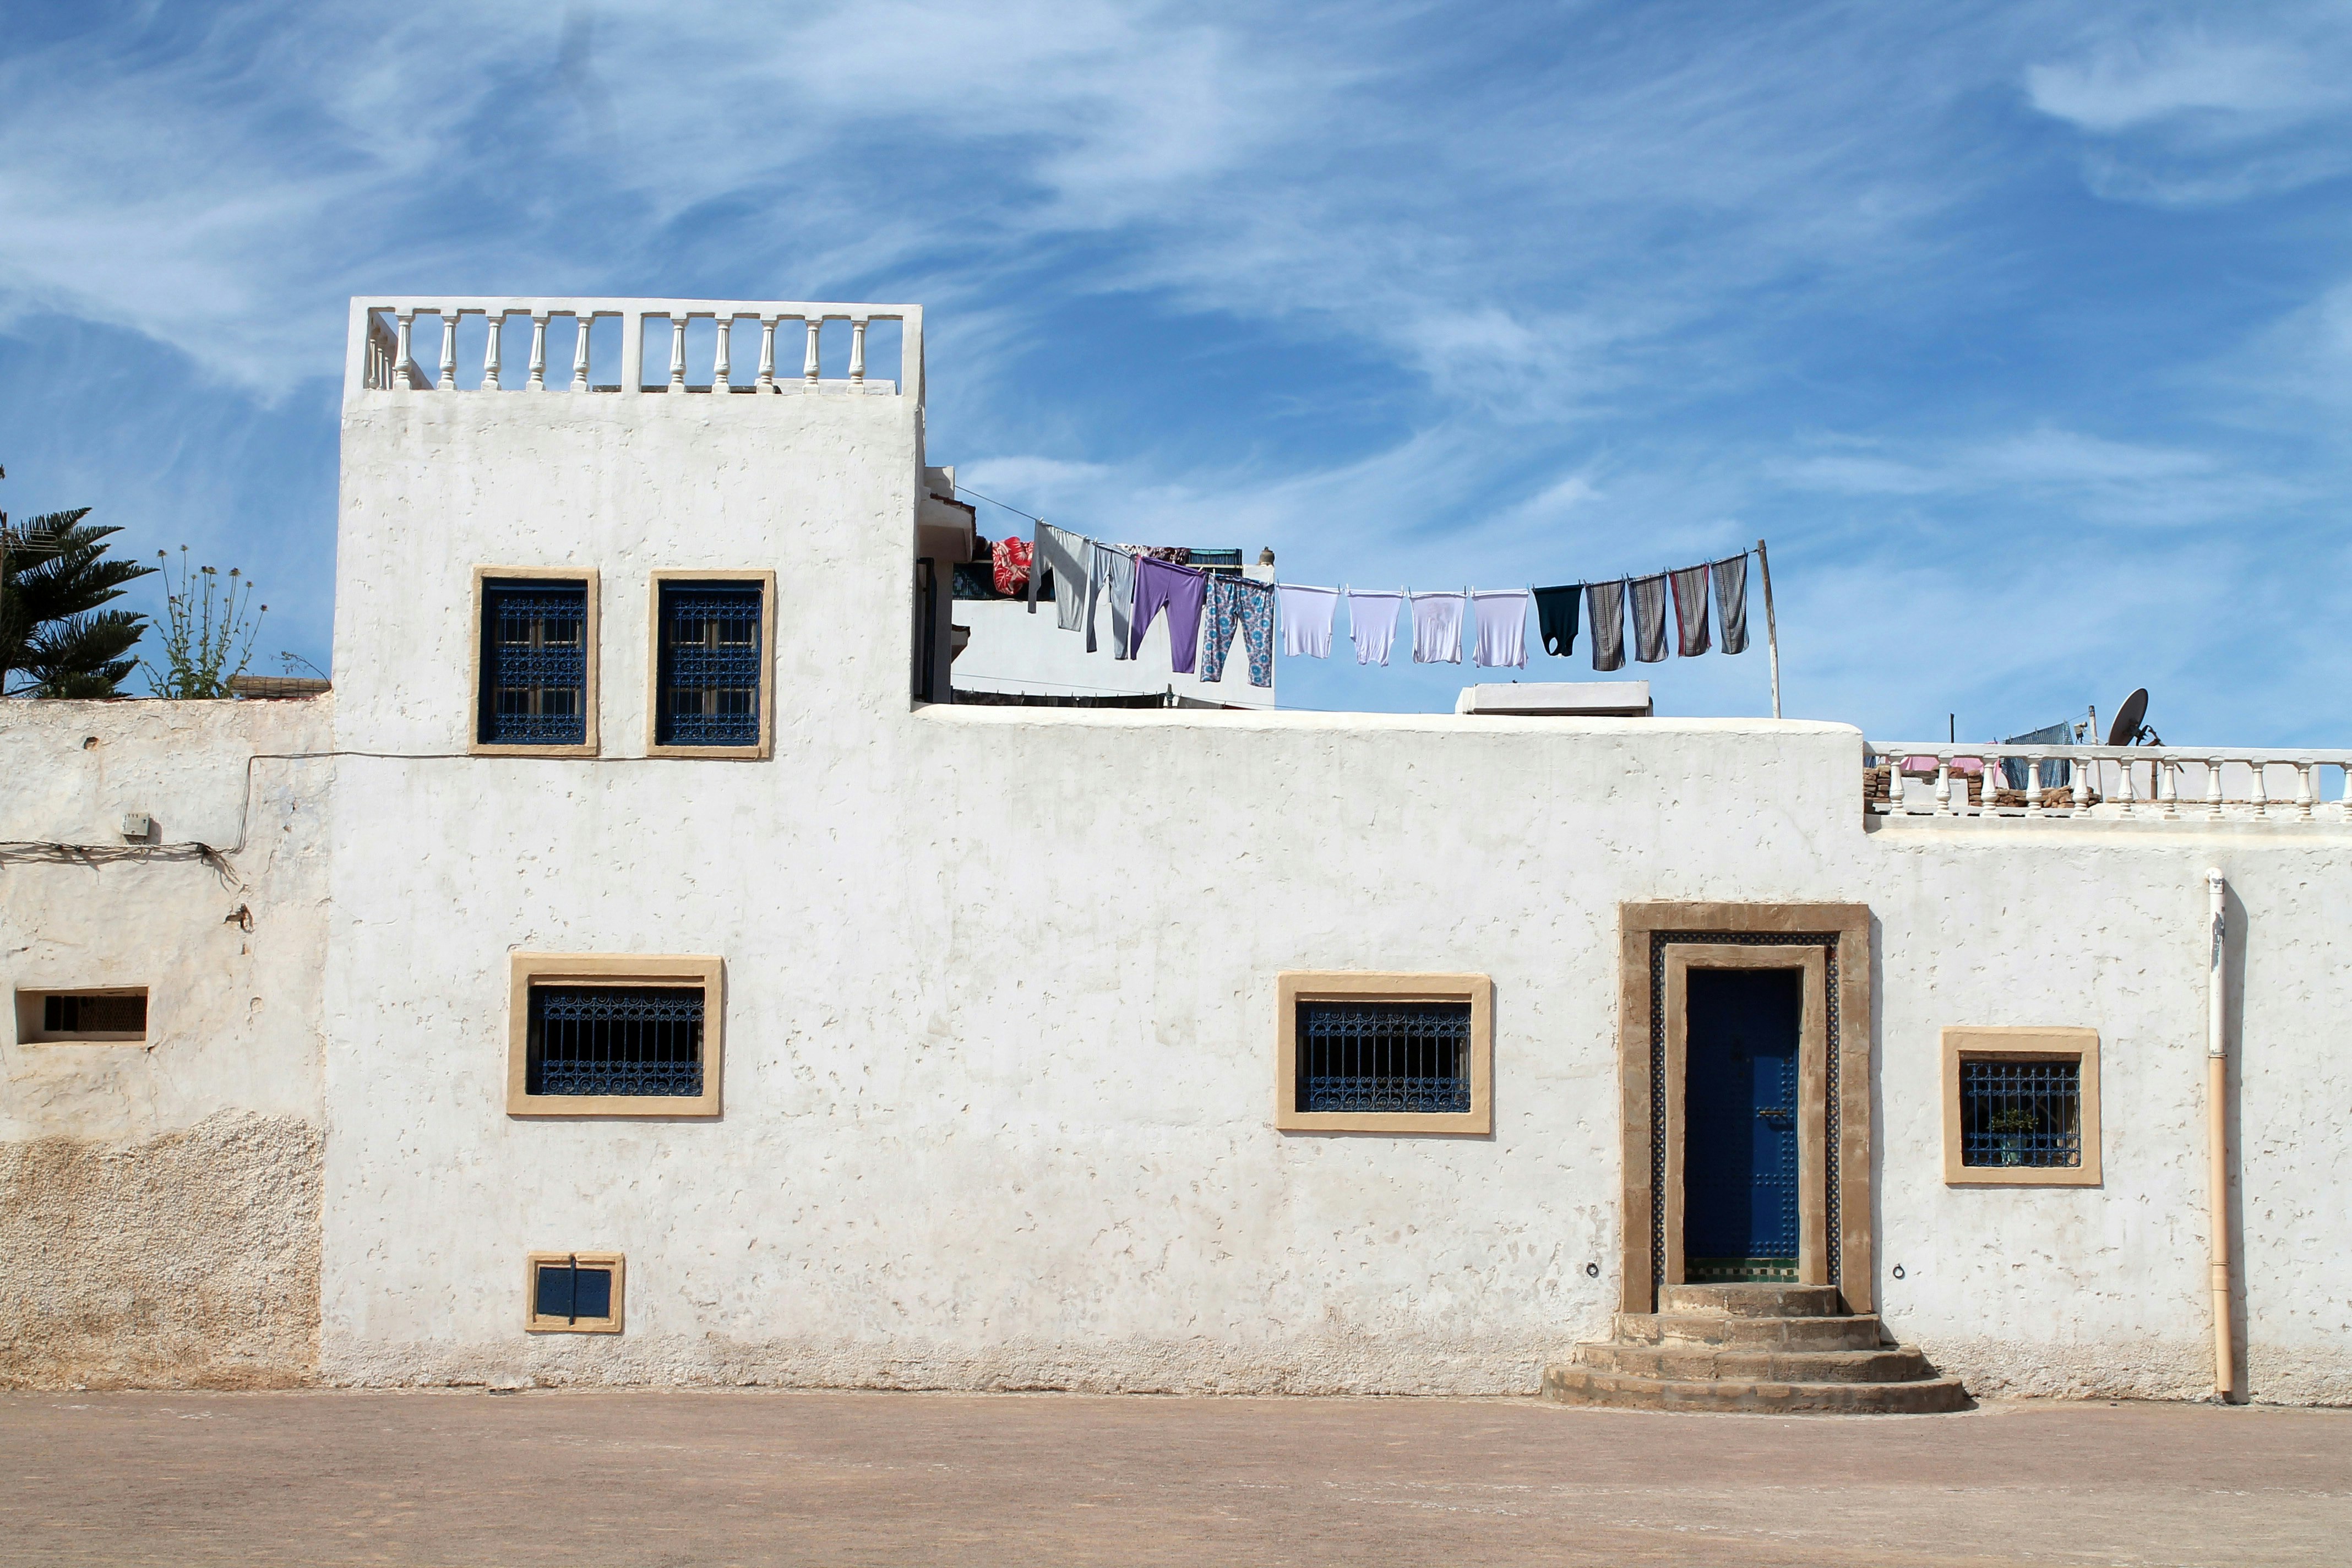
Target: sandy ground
[753, 1477]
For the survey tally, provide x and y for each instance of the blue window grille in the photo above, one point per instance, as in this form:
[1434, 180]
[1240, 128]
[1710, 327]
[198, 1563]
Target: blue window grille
[1384, 1056]
[710, 686]
[534, 663]
[2016, 1111]
[572, 1292]
[615, 1039]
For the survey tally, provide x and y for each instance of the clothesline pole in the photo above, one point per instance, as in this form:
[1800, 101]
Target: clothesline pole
[1038, 553]
[1771, 627]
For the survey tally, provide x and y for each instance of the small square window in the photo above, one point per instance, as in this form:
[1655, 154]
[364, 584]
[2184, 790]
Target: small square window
[574, 1293]
[2017, 1111]
[537, 663]
[711, 665]
[2020, 1107]
[1385, 1053]
[113, 1016]
[608, 1035]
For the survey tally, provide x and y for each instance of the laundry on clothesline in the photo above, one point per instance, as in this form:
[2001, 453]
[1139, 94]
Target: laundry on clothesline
[1502, 614]
[1306, 619]
[1070, 560]
[1371, 623]
[1208, 605]
[1436, 627]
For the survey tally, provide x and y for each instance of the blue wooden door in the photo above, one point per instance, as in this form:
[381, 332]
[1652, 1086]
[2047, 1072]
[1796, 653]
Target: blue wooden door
[1739, 1098]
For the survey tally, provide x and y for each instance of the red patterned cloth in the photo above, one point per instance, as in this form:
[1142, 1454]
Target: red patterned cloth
[1012, 566]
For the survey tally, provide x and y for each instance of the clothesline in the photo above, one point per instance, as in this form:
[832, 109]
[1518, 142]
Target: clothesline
[1206, 611]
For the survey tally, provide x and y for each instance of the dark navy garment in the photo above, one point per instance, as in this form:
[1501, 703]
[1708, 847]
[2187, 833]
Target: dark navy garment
[1556, 611]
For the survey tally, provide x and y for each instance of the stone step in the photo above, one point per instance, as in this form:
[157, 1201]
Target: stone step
[1752, 1301]
[1618, 1391]
[1895, 1363]
[1858, 1333]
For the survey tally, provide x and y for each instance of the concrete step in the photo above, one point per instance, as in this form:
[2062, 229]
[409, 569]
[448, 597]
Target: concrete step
[1858, 1333]
[1616, 1390]
[1896, 1364]
[1752, 1301]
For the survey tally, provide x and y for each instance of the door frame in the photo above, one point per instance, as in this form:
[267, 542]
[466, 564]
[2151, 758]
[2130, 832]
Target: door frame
[1659, 943]
[1812, 1086]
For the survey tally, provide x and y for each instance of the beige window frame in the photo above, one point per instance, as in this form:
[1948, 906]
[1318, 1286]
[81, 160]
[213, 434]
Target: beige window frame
[529, 969]
[1985, 1043]
[593, 633]
[534, 1323]
[32, 1008]
[1362, 985]
[766, 747]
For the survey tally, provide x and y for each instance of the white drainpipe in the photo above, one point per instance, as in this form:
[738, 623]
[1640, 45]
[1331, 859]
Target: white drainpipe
[2217, 1130]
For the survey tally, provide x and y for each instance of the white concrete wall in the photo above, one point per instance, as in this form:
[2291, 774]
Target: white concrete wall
[159, 1203]
[1001, 989]
[1012, 651]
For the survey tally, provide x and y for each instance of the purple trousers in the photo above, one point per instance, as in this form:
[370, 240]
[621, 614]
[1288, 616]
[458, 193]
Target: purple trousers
[1180, 590]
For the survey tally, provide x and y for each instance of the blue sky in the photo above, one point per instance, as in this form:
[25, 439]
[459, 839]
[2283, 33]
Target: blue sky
[2022, 331]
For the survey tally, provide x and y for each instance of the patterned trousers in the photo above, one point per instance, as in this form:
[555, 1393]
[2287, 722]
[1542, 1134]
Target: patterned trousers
[1238, 604]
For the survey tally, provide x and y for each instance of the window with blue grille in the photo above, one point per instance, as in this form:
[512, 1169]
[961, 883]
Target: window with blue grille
[2022, 1111]
[636, 1040]
[1411, 1057]
[709, 684]
[534, 663]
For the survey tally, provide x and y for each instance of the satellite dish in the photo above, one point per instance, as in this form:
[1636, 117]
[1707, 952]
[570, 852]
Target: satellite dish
[2127, 730]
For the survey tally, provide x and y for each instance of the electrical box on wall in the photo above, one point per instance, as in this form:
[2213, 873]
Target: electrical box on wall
[138, 827]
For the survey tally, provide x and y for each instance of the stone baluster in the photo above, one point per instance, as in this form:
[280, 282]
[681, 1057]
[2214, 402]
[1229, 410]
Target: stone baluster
[808, 366]
[584, 319]
[1988, 784]
[1943, 784]
[2303, 792]
[2260, 795]
[2344, 800]
[537, 382]
[2214, 788]
[496, 320]
[2082, 767]
[678, 353]
[722, 371]
[2167, 789]
[767, 382]
[2126, 787]
[400, 351]
[448, 381]
[2032, 782]
[857, 354]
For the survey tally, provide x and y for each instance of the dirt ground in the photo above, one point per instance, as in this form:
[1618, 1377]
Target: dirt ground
[592, 1478]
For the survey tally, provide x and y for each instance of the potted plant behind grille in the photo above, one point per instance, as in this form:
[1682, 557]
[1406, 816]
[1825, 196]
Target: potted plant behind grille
[2013, 1124]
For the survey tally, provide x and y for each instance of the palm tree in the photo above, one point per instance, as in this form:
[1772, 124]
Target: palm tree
[55, 641]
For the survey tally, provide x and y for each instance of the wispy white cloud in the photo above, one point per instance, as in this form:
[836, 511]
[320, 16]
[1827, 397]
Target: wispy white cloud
[2097, 479]
[2218, 106]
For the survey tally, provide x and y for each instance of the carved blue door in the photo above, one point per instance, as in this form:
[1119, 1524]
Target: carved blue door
[1739, 1099]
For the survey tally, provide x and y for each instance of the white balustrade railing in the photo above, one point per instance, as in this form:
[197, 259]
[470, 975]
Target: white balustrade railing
[2167, 784]
[383, 343]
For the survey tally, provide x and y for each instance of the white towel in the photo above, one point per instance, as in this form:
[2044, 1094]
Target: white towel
[1436, 628]
[1307, 618]
[1371, 622]
[1502, 626]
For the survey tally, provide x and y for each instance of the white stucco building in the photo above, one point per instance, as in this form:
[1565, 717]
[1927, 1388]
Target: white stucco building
[929, 1044]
